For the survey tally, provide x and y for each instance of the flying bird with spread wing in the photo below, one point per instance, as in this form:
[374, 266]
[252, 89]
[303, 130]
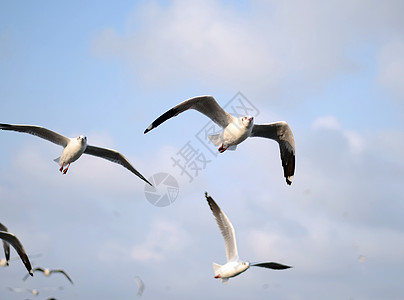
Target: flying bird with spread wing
[11, 239]
[236, 130]
[48, 272]
[140, 286]
[234, 265]
[35, 292]
[73, 147]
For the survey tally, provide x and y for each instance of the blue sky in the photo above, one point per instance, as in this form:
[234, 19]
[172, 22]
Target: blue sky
[333, 70]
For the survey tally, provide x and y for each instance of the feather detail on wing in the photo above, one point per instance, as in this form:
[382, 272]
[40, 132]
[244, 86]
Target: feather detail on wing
[64, 273]
[6, 246]
[14, 241]
[38, 131]
[226, 228]
[280, 132]
[114, 156]
[204, 104]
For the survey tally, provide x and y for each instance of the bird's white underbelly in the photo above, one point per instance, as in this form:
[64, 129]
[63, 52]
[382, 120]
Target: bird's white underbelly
[71, 153]
[232, 269]
[234, 134]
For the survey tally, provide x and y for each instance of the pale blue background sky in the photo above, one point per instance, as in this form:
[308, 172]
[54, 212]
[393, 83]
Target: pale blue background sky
[333, 70]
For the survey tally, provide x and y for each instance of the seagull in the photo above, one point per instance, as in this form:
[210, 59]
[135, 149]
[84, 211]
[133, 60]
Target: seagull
[234, 265]
[141, 286]
[236, 130]
[73, 147]
[48, 272]
[12, 240]
[35, 292]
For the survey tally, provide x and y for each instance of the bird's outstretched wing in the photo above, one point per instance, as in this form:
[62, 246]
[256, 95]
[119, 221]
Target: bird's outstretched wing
[270, 265]
[115, 157]
[280, 132]
[226, 228]
[38, 131]
[39, 269]
[204, 104]
[64, 273]
[14, 241]
[6, 246]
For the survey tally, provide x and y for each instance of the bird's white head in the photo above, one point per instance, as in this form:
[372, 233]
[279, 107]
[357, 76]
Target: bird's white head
[247, 121]
[82, 139]
[243, 266]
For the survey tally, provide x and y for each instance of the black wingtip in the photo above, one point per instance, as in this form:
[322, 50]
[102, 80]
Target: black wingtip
[5, 126]
[272, 265]
[284, 267]
[148, 128]
[145, 180]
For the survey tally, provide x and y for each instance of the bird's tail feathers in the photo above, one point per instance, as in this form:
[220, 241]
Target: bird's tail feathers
[216, 268]
[215, 139]
[57, 160]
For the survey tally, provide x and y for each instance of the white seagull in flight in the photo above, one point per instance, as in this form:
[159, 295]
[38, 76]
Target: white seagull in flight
[140, 286]
[48, 272]
[73, 148]
[234, 265]
[11, 239]
[35, 292]
[236, 130]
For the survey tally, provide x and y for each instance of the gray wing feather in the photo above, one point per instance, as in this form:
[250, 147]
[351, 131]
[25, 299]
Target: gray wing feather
[64, 273]
[204, 104]
[38, 131]
[33, 271]
[226, 228]
[13, 241]
[280, 132]
[6, 246]
[115, 157]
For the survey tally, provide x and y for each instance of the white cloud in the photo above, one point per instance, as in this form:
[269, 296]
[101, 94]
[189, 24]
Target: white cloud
[354, 139]
[198, 39]
[326, 122]
[258, 48]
